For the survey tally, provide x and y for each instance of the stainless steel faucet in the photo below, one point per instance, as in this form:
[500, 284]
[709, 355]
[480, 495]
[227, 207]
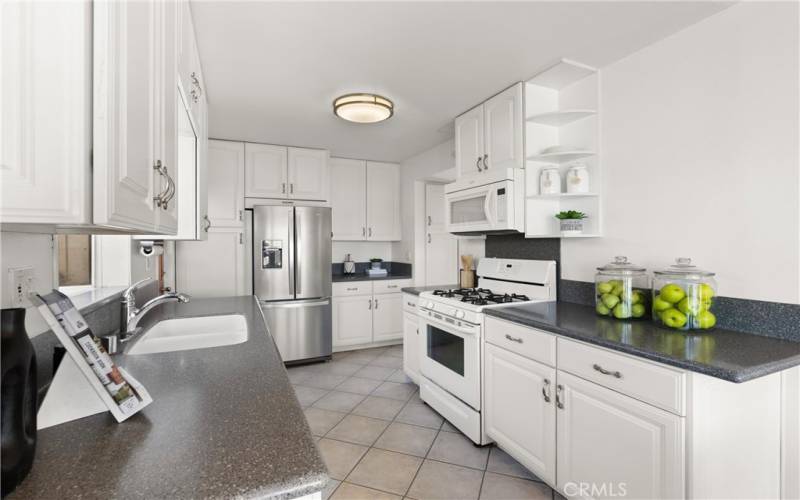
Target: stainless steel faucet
[131, 315]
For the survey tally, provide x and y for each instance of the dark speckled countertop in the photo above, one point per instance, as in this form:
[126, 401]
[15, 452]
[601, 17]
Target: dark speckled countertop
[725, 354]
[224, 422]
[363, 277]
[416, 290]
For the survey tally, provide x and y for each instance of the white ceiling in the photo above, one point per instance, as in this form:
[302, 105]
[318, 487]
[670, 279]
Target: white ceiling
[272, 69]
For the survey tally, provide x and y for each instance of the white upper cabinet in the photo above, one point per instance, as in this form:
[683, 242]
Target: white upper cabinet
[308, 174]
[383, 201]
[225, 183]
[266, 174]
[348, 199]
[469, 142]
[490, 136]
[503, 130]
[286, 173]
[46, 175]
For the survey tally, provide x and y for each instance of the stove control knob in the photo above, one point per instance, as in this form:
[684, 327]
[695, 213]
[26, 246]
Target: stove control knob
[430, 304]
[459, 314]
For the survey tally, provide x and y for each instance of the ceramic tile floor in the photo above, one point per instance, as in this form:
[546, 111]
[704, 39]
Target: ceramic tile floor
[380, 441]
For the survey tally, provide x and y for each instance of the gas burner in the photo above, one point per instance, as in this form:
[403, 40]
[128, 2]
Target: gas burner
[444, 293]
[500, 299]
[523, 298]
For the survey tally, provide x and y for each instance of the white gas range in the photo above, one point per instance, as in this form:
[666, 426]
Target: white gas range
[451, 322]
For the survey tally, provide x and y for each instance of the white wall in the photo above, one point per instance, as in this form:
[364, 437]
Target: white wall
[700, 153]
[361, 251]
[20, 250]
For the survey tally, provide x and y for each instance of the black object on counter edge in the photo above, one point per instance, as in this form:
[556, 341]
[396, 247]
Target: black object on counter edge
[19, 396]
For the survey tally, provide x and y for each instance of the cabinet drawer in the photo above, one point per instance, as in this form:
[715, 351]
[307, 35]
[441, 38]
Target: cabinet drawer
[649, 382]
[531, 343]
[410, 302]
[390, 286]
[345, 288]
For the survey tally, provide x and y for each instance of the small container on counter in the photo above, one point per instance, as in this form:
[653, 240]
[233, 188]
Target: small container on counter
[578, 179]
[683, 297]
[622, 290]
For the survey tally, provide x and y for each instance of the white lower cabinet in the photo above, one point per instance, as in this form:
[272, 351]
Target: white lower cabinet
[214, 267]
[520, 411]
[363, 315]
[611, 445]
[411, 337]
[352, 320]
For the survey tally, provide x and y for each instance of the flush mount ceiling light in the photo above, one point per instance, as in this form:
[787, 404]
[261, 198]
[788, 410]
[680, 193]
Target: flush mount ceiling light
[363, 108]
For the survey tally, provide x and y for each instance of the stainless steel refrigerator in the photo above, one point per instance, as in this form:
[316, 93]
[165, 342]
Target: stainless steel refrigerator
[292, 278]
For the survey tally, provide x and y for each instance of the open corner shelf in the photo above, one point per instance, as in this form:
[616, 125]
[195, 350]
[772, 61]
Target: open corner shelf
[559, 118]
[563, 195]
[562, 74]
[561, 156]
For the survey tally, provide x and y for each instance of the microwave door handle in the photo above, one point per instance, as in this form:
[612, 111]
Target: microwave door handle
[487, 208]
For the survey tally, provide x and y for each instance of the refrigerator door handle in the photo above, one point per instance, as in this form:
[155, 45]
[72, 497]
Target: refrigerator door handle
[290, 267]
[297, 268]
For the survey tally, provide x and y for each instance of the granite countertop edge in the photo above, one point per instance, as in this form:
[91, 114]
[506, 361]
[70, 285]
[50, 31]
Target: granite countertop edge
[338, 278]
[736, 375]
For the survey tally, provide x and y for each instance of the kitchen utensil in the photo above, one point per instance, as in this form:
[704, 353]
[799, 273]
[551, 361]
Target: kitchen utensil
[622, 290]
[683, 296]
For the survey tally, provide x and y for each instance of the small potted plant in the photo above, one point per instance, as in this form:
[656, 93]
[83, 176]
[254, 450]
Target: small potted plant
[571, 221]
[376, 263]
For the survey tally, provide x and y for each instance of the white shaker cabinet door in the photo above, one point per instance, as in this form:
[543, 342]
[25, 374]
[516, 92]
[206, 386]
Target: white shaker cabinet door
[520, 410]
[214, 267]
[383, 201]
[266, 173]
[348, 199]
[411, 346]
[126, 110]
[618, 443]
[308, 174]
[225, 171]
[387, 317]
[469, 142]
[503, 130]
[352, 320]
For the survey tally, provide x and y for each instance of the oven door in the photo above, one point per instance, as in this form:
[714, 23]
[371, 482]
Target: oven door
[450, 357]
[473, 209]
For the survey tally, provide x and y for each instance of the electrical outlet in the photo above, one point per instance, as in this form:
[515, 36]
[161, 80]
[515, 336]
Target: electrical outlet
[22, 285]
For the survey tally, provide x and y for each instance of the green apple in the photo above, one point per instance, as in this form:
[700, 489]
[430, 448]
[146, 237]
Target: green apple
[705, 292]
[690, 305]
[637, 297]
[604, 287]
[705, 304]
[672, 293]
[602, 309]
[637, 310]
[660, 305]
[610, 300]
[706, 319]
[673, 318]
[618, 290]
[622, 311]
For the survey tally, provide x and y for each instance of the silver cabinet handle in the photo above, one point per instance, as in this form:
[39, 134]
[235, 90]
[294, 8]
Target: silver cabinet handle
[602, 370]
[559, 392]
[208, 223]
[546, 391]
[352, 289]
[370, 232]
[291, 188]
[170, 190]
[478, 164]
[411, 304]
[376, 303]
[486, 162]
[370, 304]
[429, 237]
[241, 214]
[514, 339]
[363, 231]
[241, 239]
[283, 188]
[429, 220]
[163, 198]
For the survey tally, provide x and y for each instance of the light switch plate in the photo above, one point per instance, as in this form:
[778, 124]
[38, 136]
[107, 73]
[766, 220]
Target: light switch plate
[22, 284]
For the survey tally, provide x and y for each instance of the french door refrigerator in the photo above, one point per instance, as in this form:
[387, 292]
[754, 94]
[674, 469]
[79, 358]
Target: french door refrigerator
[292, 278]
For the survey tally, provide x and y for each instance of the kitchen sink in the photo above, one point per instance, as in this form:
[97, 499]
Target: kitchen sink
[182, 334]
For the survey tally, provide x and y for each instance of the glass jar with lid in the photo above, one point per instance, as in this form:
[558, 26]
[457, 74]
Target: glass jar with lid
[622, 290]
[683, 296]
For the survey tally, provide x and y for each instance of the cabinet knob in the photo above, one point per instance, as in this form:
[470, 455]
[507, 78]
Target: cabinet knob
[602, 370]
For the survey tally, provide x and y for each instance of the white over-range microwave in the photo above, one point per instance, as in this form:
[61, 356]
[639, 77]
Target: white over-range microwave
[485, 204]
